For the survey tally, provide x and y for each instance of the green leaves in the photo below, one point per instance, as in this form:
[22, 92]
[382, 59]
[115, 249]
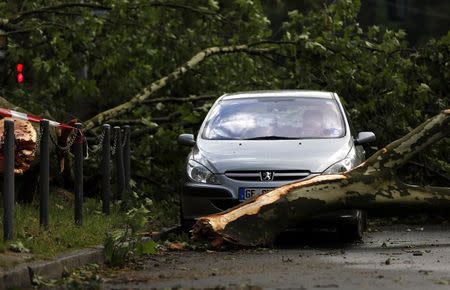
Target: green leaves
[117, 248]
[18, 247]
[313, 45]
[147, 248]
[137, 218]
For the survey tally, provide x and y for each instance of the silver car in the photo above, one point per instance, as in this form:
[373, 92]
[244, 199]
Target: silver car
[253, 142]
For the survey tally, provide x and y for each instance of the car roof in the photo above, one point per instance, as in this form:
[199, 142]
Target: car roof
[278, 93]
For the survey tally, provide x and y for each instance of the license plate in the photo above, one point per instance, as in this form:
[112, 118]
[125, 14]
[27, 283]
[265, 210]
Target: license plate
[248, 192]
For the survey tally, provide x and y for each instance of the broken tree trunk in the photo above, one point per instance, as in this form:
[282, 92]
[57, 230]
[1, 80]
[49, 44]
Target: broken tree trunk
[26, 157]
[371, 184]
[26, 137]
[26, 134]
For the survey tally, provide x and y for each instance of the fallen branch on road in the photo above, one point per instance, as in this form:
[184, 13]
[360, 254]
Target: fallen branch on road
[372, 184]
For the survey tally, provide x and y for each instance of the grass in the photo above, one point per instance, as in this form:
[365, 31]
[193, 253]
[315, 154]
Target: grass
[62, 234]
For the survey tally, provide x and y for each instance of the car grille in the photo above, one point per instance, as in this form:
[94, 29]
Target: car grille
[278, 175]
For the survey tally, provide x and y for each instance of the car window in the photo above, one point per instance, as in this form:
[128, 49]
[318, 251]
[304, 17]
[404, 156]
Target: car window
[274, 118]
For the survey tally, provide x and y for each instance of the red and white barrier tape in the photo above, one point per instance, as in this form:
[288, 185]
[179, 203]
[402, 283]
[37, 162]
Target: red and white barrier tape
[27, 117]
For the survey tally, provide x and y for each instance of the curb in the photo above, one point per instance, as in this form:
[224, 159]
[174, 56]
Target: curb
[22, 275]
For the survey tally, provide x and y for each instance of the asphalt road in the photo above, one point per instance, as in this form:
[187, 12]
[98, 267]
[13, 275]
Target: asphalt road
[394, 257]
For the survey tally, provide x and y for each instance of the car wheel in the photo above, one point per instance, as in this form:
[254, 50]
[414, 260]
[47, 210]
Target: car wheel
[353, 230]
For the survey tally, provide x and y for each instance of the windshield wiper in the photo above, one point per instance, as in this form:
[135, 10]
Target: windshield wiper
[271, 138]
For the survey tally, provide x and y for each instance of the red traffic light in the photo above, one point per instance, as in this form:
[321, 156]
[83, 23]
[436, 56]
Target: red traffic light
[19, 69]
[20, 78]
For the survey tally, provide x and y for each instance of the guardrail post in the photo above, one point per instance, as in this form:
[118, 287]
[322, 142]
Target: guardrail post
[119, 163]
[44, 172]
[78, 170]
[127, 157]
[8, 181]
[106, 168]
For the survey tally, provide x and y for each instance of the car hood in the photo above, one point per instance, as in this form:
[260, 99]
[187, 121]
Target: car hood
[314, 155]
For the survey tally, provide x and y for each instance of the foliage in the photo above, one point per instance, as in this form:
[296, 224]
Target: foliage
[377, 75]
[118, 247]
[86, 278]
[121, 245]
[83, 60]
[386, 86]
[18, 247]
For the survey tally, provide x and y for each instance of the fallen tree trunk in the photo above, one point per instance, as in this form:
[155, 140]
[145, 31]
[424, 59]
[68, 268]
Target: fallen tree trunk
[26, 134]
[27, 158]
[26, 137]
[372, 184]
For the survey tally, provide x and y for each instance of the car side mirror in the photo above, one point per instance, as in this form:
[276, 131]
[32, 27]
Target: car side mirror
[365, 137]
[186, 139]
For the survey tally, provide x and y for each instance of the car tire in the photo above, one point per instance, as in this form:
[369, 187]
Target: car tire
[353, 230]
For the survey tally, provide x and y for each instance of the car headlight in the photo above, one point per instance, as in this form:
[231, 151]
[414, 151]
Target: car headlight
[200, 173]
[340, 166]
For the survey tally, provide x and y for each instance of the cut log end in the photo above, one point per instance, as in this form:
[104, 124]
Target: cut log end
[203, 230]
[26, 137]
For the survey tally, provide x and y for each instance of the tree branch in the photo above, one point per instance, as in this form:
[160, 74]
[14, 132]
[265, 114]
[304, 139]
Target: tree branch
[394, 155]
[163, 82]
[54, 8]
[127, 122]
[180, 6]
[48, 9]
[180, 100]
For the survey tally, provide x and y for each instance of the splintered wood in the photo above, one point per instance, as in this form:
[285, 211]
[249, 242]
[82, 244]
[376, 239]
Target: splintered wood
[26, 137]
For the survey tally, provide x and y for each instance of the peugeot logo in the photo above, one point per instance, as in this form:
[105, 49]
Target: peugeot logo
[266, 175]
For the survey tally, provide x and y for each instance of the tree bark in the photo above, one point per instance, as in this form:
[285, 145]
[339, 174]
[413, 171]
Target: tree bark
[154, 87]
[25, 134]
[181, 100]
[372, 184]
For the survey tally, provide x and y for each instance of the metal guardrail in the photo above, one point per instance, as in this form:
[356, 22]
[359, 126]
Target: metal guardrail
[121, 150]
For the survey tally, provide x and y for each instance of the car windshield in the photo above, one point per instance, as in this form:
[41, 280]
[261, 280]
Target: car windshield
[274, 119]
